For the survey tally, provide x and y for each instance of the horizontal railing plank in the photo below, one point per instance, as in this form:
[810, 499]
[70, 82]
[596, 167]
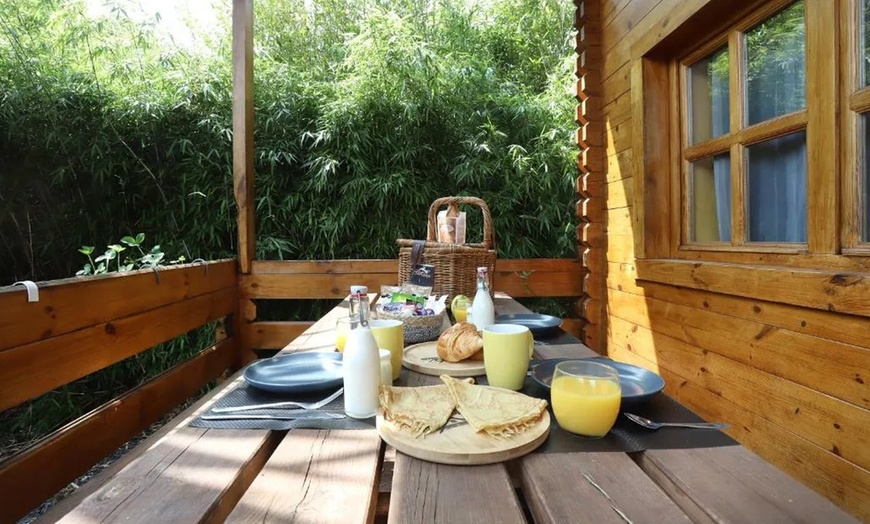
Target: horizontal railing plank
[272, 335]
[302, 279]
[33, 369]
[35, 474]
[390, 266]
[74, 303]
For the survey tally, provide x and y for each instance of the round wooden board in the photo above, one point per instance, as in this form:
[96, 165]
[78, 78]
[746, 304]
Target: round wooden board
[458, 443]
[423, 358]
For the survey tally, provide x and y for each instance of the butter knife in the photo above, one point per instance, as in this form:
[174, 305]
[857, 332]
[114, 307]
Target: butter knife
[300, 415]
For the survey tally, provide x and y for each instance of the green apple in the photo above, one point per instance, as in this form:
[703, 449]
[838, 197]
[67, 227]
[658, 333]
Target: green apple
[460, 300]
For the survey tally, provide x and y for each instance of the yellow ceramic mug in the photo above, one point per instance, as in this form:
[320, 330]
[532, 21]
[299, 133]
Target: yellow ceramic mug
[507, 349]
[390, 335]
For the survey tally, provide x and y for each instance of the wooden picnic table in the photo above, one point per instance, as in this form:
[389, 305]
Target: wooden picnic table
[184, 474]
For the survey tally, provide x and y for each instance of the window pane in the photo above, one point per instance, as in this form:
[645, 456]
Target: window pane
[710, 204]
[708, 97]
[865, 188]
[776, 65]
[865, 43]
[777, 189]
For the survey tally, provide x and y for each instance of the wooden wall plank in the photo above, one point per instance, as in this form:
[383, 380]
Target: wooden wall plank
[243, 129]
[30, 370]
[791, 355]
[318, 476]
[847, 329]
[842, 292]
[32, 476]
[74, 303]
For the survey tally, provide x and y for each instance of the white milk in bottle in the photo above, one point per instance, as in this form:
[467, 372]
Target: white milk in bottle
[482, 311]
[362, 368]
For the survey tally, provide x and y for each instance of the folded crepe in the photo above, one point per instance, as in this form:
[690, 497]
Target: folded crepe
[419, 410]
[499, 412]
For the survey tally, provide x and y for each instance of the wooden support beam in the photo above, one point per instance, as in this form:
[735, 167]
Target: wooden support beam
[243, 128]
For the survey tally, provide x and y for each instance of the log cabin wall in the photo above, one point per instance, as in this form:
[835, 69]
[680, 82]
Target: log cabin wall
[761, 346]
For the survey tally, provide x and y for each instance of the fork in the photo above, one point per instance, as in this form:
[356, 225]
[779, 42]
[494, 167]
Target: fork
[288, 404]
[649, 424]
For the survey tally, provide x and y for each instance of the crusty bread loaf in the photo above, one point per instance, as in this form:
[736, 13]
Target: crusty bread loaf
[459, 342]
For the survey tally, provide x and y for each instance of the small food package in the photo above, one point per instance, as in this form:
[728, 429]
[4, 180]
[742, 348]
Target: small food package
[451, 225]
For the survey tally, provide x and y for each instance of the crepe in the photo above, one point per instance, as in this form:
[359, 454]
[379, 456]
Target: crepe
[419, 410]
[500, 413]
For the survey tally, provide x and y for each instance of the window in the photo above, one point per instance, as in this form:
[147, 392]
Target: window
[755, 138]
[756, 132]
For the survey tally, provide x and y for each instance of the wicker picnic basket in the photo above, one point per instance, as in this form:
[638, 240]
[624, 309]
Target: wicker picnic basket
[455, 264]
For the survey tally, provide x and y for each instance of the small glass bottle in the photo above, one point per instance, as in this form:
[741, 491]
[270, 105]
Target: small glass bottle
[482, 311]
[362, 368]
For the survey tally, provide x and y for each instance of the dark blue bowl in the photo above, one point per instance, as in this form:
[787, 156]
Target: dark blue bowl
[638, 384]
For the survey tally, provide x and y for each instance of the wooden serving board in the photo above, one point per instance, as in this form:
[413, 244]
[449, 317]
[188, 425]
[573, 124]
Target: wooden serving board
[423, 358]
[458, 443]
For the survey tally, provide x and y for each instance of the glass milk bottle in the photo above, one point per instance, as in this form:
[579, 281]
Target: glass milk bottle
[362, 368]
[482, 311]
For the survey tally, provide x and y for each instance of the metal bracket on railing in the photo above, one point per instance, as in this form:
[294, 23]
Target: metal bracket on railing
[32, 290]
[201, 261]
[156, 274]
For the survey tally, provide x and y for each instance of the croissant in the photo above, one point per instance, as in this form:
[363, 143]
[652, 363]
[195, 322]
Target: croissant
[459, 342]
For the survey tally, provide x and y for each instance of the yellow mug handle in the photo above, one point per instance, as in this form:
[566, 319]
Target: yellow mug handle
[531, 344]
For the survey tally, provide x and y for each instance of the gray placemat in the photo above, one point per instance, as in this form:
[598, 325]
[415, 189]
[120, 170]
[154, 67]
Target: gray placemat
[245, 394]
[626, 436]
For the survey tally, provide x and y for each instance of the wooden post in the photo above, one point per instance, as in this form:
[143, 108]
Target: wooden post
[243, 127]
[590, 183]
[243, 155]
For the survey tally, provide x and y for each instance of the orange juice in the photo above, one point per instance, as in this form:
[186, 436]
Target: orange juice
[586, 406]
[340, 340]
[460, 314]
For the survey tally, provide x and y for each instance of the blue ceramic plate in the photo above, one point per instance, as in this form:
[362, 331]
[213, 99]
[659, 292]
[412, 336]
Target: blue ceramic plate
[535, 322]
[297, 373]
[638, 384]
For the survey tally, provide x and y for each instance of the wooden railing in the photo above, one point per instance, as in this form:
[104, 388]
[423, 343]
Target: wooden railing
[299, 279]
[80, 326]
[83, 325]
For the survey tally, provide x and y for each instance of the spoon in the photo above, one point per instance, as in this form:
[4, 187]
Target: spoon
[649, 424]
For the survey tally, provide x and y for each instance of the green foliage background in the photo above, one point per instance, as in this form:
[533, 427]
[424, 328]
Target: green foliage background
[366, 111]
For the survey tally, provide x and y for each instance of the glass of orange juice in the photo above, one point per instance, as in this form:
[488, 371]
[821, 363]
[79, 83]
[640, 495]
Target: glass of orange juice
[342, 326]
[585, 397]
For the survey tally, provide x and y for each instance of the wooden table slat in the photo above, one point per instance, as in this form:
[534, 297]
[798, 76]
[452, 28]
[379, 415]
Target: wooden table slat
[316, 476]
[424, 492]
[593, 487]
[192, 474]
[732, 484]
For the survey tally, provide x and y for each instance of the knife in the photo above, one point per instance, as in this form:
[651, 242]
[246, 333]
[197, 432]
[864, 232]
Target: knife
[301, 415]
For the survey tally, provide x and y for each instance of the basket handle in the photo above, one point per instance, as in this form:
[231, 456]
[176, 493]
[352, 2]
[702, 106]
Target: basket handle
[459, 200]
